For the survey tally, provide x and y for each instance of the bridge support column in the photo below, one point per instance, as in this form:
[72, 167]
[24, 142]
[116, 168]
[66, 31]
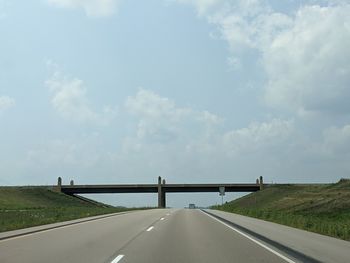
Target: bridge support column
[163, 196]
[59, 184]
[261, 183]
[159, 192]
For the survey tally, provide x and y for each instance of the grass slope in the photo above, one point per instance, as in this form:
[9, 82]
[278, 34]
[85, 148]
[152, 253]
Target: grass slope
[323, 209]
[22, 207]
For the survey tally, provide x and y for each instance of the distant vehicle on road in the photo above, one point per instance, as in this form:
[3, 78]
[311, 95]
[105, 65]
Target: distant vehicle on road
[191, 206]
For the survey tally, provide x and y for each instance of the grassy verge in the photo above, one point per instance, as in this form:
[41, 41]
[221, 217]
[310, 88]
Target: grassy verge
[323, 209]
[22, 207]
[11, 220]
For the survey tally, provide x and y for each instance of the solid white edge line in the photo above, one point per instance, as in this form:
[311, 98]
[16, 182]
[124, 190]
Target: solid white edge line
[150, 228]
[117, 259]
[60, 227]
[252, 239]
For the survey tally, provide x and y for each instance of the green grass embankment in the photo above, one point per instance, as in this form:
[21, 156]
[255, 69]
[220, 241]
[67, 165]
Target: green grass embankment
[323, 209]
[22, 207]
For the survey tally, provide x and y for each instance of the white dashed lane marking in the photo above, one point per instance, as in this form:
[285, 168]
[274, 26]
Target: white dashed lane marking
[150, 228]
[117, 259]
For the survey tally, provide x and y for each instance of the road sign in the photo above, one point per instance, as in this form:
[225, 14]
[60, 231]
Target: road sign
[222, 190]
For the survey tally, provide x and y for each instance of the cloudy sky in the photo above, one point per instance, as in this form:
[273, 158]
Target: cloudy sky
[195, 91]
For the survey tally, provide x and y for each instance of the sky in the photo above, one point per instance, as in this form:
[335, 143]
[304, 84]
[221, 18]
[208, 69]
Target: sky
[194, 91]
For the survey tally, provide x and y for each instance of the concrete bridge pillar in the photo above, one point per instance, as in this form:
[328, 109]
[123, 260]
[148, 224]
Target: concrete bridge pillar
[159, 192]
[261, 183]
[163, 196]
[59, 185]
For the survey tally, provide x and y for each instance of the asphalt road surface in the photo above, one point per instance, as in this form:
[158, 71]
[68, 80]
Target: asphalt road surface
[159, 235]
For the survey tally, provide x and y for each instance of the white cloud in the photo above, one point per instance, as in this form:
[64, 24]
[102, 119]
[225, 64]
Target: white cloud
[161, 120]
[305, 54]
[336, 141]
[247, 24]
[6, 103]
[184, 144]
[70, 101]
[234, 63]
[263, 137]
[179, 141]
[308, 65]
[92, 8]
[84, 158]
[65, 152]
[4, 4]
[202, 6]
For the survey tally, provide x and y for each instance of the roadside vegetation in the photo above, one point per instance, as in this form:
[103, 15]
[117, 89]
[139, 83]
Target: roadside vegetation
[323, 209]
[22, 207]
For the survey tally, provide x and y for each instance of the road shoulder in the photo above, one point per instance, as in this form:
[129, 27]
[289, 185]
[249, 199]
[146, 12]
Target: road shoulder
[35, 229]
[314, 246]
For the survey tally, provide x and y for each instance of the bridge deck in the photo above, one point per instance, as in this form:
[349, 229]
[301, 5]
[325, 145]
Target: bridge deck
[187, 188]
[153, 188]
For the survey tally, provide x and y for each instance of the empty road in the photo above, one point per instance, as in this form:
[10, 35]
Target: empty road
[159, 235]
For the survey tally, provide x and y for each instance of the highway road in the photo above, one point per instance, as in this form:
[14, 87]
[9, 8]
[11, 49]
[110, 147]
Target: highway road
[159, 235]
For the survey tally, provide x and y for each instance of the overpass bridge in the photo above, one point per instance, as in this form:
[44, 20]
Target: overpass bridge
[161, 188]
